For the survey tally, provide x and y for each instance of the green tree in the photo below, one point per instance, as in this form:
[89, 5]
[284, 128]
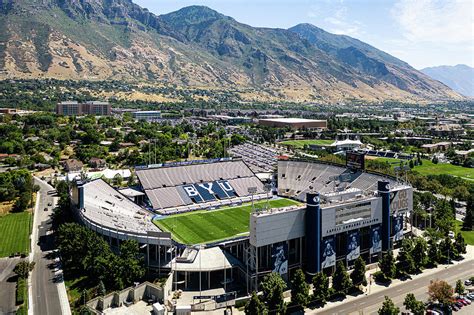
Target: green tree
[468, 222]
[300, 289]
[459, 288]
[447, 250]
[131, 263]
[22, 203]
[405, 264]
[101, 288]
[388, 307]
[460, 244]
[272, 287]
[358, 274]
[434, 254]
[419, 253]
[387, 265]
[254, 306]
[413, 305]
[320, 287]
[341, 282]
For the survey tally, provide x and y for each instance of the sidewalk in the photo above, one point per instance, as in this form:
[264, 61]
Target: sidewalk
[374, 288]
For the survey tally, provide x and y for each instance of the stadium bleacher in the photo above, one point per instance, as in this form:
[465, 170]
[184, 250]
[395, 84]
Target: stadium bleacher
[296, 178]
[192, 187]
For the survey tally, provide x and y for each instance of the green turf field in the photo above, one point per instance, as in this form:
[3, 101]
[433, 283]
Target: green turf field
[14, 233]
[429, 168]
[209, 226]
[468, 235]
[300, 143]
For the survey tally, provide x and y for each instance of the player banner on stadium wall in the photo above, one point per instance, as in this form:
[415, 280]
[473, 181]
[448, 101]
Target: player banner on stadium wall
[280, 258]
[398, 228]
[353, 245]
[328, 252]
[375, 239]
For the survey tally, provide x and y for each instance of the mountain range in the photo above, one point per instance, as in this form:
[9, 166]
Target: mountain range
[199, 47]
[460, 77]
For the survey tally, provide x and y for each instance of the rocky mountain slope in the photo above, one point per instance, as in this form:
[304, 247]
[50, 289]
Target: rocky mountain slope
[197, 46]
[460, 77]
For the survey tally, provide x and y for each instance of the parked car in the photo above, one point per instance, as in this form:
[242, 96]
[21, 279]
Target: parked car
[455, 307]
[50, 204]
[467, 282]
[459, 304]
[462, 301]
[451, 234]
[46, 209]
[466, 300]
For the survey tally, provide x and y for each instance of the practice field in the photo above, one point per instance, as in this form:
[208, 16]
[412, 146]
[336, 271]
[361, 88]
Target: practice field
[429, 168]
[299, 144]
[201, 227]
[14, 233]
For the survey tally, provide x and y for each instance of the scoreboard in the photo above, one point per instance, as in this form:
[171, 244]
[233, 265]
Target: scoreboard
[355, 160]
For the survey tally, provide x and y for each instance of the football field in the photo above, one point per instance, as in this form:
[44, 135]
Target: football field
[201, 227]
[14, 233]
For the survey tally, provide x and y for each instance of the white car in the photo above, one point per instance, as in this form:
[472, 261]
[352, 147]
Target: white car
[467, 282]
[451, 234]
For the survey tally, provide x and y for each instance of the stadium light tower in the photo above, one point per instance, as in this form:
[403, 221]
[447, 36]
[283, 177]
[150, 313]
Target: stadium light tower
[252, 190]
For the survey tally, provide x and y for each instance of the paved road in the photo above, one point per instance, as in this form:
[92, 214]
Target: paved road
[44, 281]
[371, 303]
[7, 285]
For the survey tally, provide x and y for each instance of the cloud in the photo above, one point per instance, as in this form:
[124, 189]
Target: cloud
[440, 21]
[334, 14]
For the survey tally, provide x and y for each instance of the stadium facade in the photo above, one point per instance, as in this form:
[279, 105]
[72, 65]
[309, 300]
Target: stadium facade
[346, 213]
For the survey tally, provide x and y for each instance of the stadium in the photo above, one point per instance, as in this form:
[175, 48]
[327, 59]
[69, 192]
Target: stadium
[214, 224]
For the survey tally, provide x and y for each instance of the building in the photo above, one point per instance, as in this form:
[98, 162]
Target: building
[73, 165]
[73, 108]
[149, 115]
[339, 145]
[293, 123]
[97, 163]
[344, 213]
[433, 147]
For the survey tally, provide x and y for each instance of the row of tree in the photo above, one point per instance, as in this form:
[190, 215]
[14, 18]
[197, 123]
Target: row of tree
[271, 301]
[416, 254]
[83, 252]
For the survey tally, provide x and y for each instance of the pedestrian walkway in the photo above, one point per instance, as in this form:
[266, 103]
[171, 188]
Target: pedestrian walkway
[374, 288]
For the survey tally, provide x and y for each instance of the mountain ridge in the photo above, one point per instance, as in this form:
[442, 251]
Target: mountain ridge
[459, 77]
[198, 46]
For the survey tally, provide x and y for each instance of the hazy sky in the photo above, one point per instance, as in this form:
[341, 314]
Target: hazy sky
[421, 32]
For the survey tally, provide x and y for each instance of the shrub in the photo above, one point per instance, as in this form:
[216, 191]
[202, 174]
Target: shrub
[20, 291]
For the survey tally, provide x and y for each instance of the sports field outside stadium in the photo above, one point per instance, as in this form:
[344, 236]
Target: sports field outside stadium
[200, 227]
[15, 231]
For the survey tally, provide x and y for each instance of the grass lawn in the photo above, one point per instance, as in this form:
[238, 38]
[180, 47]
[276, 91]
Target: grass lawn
[14, 233]
[395, 162]
[201, 227]
[299, 144]
[468, 235]
[429, 168]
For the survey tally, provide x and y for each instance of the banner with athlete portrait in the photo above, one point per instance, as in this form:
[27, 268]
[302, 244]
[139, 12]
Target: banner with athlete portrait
[328, 252]
[398, 228]
[280, 258]
[353, 245]
[375, 239]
